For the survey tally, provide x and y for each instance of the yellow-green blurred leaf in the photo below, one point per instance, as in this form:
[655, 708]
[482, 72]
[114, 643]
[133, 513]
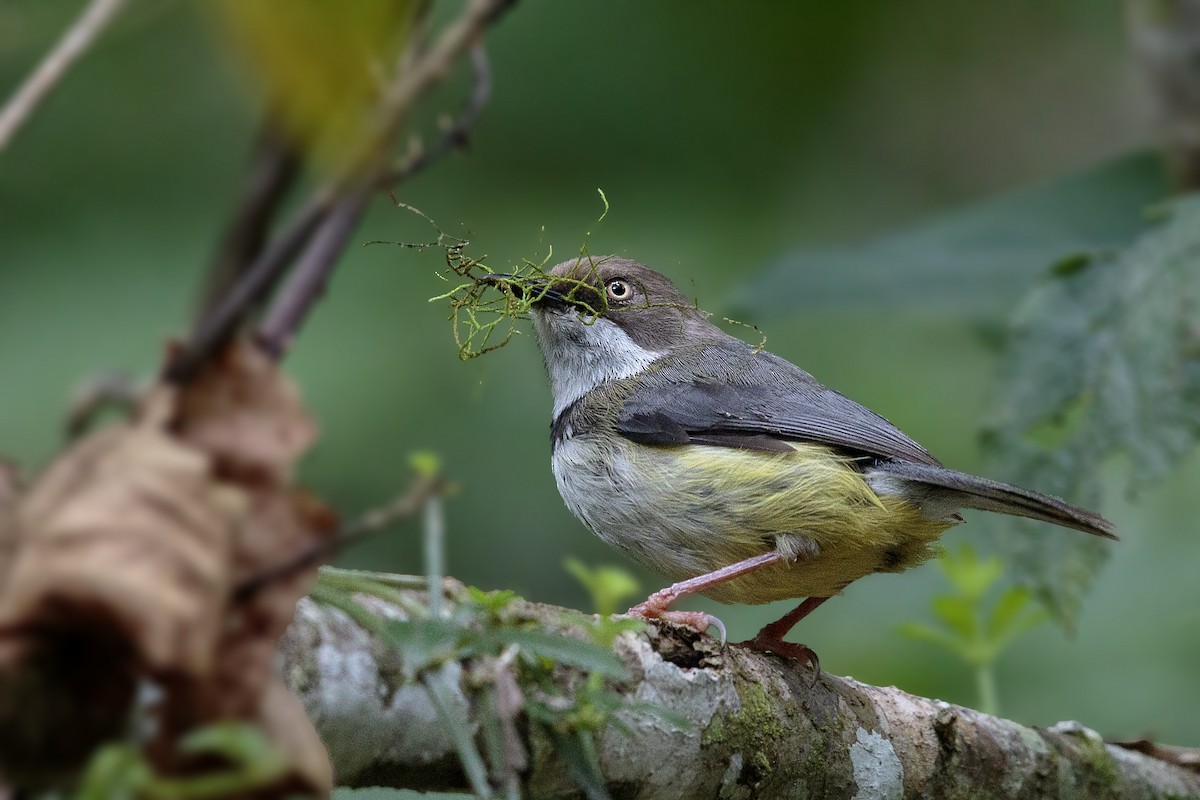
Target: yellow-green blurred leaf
[322, 63]
[608, 586]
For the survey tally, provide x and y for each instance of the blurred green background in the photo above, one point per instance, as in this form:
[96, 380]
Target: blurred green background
[727, 138]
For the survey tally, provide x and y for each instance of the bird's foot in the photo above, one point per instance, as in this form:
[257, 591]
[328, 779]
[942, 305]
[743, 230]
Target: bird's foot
[696, 620]
[777, 646]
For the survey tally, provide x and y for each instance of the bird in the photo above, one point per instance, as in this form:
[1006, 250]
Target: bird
[727, 469]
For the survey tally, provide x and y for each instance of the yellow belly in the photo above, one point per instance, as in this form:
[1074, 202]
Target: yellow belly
[691, 509]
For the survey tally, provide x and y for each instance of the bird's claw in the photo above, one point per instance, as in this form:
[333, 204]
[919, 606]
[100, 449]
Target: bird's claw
[775, 646]
[696, 620]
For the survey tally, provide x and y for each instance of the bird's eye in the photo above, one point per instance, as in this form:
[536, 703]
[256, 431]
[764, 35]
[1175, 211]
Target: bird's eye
[619, 289]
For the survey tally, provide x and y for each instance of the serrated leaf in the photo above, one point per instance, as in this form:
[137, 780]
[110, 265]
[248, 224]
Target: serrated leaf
[1108, 358]
[973, 262]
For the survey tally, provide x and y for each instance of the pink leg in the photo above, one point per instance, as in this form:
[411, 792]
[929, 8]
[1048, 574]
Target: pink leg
[770, 638]
[656, 605]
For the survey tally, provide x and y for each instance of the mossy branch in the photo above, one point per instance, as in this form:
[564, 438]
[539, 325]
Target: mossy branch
[692, 719]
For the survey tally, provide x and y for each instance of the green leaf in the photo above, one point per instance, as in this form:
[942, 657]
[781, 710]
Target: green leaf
[424, 643]
[425, 463]
[321, 63]
[1006, 612]
[577, 751]
[958, 614]
[115, 772]
[970, 575]
[608, 586]
[658, 712]
[927, 633]
[971, 263]
[492, 602]
[559, 648]
[1103, 361]
[440, 685]
[260, 762]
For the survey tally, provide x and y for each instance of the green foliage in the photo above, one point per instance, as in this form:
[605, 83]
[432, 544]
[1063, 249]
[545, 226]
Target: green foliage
[607, 585]
[1104, 361]
[972, 262]
[503, 650]
[482, 628]
[972, 630]
[121, 772]
[425, 463]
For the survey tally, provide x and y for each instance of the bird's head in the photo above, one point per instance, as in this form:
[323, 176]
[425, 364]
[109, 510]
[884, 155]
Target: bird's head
[603, 319]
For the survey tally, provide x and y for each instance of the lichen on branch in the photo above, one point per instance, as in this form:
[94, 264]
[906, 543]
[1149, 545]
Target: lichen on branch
[695, 719]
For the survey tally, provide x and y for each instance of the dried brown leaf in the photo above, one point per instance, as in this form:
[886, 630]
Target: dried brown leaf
[10, 490]
[247, 416]
[245, 413]
[279, 521]
[287, 726]
[128, 530]
[125, 556]
[121, 568]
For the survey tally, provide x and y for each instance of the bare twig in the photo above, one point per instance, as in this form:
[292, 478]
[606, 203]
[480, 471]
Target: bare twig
[116, 391]
[456, 135]
[740, 724]
[54, 66]
[372, 522]
[319, 233]
[311, 273]
[276, 165]
[255, 285]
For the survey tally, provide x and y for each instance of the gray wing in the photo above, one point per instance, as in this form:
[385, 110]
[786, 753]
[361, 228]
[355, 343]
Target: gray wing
[732, 395]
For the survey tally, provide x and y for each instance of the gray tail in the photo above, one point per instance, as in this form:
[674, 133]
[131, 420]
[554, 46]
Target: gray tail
[972, 491]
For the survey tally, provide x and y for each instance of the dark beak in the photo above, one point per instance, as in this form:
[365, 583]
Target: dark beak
[540, 290]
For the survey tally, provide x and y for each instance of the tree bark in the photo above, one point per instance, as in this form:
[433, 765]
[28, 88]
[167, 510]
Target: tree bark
[757, 726]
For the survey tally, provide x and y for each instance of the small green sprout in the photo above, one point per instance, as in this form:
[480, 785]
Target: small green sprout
[971, 629]
[606, 585]
[122, 771]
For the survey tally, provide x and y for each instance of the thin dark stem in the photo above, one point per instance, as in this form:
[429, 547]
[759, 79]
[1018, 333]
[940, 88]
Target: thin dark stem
[371, 523]
[457, 134]
[46, 76]
[256, 283]
[311, 274]
[117, 391]
[321, 230]
[273, 172]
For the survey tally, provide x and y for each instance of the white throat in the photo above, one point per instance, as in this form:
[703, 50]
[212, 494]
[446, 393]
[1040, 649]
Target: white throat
[580, 355]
